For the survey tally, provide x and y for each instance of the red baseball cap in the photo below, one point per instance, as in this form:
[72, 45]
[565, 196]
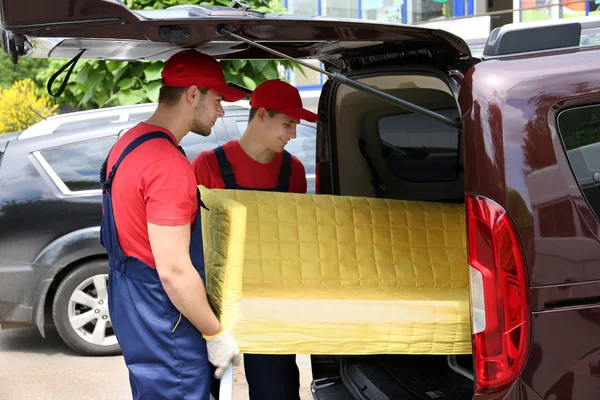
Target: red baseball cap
[190, 67]
[283, 97]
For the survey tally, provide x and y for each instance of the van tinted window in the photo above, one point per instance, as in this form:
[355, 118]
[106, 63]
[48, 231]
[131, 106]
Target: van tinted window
[580, 131]
[419, 149]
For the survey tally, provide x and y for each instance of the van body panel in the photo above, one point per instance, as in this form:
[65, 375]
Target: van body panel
[515, 154]
[564, 360]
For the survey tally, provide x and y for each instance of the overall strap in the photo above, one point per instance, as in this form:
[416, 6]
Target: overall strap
[283, 183]
[107, 182]
[226, 169]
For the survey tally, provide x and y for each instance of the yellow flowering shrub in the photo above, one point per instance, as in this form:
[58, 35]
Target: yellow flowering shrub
[21, 107]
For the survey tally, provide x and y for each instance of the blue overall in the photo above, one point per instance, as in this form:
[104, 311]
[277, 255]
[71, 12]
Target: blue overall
[269, 377]
[165, 354]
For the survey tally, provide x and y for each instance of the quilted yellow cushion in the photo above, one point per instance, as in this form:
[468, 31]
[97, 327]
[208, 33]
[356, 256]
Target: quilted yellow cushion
[223, 236]
[347, 275]
[279, 319]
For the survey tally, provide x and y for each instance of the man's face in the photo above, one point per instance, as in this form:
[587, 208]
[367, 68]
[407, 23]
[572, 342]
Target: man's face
[206, 111]
[277, 131]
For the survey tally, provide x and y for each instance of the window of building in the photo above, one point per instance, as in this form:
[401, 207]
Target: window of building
[77, 166]
[340, 8]
[431, 10]
[309, 8]
[383, 10]
[579, 129]
[308, 78]
[419, 149]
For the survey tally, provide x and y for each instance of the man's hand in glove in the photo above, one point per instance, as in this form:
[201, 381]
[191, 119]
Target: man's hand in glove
[222, 350]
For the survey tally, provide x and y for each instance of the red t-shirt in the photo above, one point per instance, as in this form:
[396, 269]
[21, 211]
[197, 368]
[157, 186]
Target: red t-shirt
[248, 172]
[154, 183]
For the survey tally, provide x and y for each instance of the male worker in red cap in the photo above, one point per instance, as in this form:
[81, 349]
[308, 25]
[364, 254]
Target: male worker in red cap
[152, 232]
[259, 161]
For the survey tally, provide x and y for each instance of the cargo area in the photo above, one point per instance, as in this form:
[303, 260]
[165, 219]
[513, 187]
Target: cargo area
[375, 149]
[372, 282]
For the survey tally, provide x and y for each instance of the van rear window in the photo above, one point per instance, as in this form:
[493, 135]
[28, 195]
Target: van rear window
[580, 131]
[419, 149]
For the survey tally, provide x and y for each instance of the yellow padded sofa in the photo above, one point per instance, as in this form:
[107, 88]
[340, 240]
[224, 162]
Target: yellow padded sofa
[314, 274]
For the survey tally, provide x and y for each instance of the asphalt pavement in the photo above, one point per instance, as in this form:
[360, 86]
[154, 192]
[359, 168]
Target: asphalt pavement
[34, 368]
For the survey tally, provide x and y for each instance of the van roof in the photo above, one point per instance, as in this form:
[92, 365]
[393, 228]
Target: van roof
[532, 37]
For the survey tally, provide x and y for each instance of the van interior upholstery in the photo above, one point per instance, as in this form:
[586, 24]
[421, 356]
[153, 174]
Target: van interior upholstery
[359, 115]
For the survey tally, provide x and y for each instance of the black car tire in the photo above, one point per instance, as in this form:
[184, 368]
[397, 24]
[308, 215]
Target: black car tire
[62, 305]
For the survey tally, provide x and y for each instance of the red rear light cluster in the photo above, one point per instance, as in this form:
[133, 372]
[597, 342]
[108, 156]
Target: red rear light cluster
[317, 178]
[498, 289]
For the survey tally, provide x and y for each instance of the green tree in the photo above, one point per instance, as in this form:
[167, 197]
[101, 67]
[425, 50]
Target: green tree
[25, 68]
[97, 84]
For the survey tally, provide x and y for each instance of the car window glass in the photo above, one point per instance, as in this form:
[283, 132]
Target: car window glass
[580, 132]
[419, 149]
[193, 144]
[78, 165]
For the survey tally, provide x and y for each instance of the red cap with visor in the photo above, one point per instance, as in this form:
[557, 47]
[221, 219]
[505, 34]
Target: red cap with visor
[190, 67]
[283, 97]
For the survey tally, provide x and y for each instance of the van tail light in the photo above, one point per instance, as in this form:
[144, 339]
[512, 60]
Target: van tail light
[317, 178]
[498, 292]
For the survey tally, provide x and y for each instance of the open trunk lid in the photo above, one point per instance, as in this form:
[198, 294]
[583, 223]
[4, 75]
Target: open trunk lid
[108, 30]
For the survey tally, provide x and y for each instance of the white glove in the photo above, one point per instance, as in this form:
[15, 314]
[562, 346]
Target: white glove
[222, 350]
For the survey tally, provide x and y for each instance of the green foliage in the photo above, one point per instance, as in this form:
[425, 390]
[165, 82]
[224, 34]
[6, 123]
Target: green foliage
[105, 83]
[97, 84]
[25, 68]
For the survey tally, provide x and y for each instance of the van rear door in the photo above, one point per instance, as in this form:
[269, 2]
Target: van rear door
[108, 30]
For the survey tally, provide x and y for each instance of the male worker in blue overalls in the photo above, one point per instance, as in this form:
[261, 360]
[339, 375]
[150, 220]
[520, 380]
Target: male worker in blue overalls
[152, 232]
[258, 161]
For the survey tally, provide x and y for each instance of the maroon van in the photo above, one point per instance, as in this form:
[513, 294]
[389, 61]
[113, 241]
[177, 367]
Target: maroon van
[409, 114]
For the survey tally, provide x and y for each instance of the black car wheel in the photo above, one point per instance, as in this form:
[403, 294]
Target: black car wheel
[80, 311]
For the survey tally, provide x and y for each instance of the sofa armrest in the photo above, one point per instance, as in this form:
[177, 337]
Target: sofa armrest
[224, 237]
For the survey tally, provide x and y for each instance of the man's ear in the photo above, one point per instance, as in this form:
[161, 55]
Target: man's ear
[261, 114]
[191, 94]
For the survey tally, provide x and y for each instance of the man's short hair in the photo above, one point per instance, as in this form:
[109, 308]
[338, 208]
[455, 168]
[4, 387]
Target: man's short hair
[170, 95]
[253, 112]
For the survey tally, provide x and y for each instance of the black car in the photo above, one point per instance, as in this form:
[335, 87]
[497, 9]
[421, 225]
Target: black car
[53, 270]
